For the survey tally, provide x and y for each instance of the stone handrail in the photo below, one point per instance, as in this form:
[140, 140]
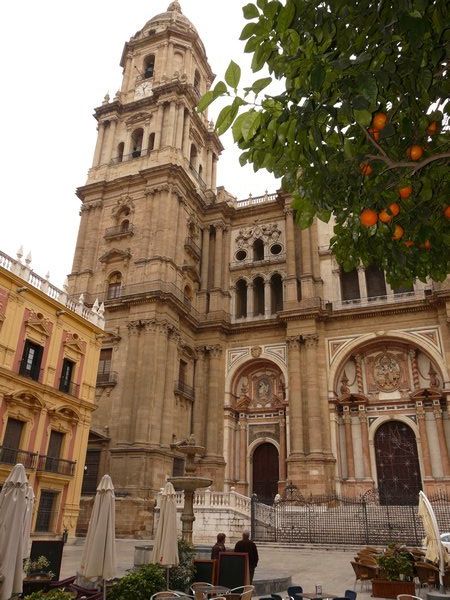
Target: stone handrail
[23, 270]
[253, 201]
[215, 500]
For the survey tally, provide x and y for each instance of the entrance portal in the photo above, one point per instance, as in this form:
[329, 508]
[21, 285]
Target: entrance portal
[265, 472]
[398, 468]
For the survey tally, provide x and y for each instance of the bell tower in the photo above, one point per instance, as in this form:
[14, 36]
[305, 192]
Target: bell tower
[151, 245]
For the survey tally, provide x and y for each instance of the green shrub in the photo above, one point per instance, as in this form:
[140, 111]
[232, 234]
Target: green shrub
[52, 595]
[139, 584]
[182, 576]
[396, 564]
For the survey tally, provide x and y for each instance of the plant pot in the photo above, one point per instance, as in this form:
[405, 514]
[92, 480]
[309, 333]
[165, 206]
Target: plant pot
[383, 588]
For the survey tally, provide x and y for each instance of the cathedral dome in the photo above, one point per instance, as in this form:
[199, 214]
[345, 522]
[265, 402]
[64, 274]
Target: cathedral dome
[173, 16]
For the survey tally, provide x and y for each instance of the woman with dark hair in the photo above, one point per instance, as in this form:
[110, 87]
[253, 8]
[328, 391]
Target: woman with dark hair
[219, 546]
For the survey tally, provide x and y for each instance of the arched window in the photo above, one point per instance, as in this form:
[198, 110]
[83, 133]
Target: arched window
[136, 142]
[149, 66]
[114, 285]
[120, 149]
[258, 296]
[276, 293]
[350, 285]
[151, 142]
[197, 80]
[193, 157]
[376, 284]
[241, 299]
[258, 249]
[125, 226]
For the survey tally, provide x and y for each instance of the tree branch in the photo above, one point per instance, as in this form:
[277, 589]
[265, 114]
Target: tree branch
[415, 166]
[372, 141]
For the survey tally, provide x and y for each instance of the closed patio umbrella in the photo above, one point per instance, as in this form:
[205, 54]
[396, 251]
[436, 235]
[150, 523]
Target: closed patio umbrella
[98, 560]
[28, 518]
[436, 552]
[13, 507]
[165, 550]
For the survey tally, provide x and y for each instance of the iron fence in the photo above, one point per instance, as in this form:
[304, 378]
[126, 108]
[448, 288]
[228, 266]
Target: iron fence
[341, 520]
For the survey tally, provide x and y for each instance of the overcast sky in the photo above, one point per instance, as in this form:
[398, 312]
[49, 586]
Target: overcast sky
[59, 59]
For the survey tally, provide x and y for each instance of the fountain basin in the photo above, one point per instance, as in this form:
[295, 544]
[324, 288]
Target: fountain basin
[190, 483]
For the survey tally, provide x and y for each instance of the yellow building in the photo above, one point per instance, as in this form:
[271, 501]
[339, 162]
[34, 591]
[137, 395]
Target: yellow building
[49, 349]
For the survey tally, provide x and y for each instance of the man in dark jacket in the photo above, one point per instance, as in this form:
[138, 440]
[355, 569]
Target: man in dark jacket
[246, 545]
[219, 546]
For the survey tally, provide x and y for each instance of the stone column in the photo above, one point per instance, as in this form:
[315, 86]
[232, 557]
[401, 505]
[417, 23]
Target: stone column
[359, 373]
[161, 343]
[158, 128]
[145, 139]
[125, 424]
[205, 258]
[127, 74]
[92, 235]
[171, 363]
[172, 130]
[214, 173]
[349, 445]
[218, 256]
[186, 137]
[365, 444]
[420, 411]
[242, 452]
[267, 299]
[283, 449]
[99, 144]
[443, 450]
[414, 367]
[306, 276]
[180, 126]
[226, 259]
[250, 301]
[149, 195]
[81, 239]
[110, 142]
[214, 391]
[291, 273]
[142, 407]
[200, 402]
[312, 385]
[295, 397]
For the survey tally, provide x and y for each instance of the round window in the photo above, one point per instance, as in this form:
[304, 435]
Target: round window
[275, 249]
[241, 255]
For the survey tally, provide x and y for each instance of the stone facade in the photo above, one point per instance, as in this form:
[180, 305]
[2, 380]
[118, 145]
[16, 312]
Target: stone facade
[225, 320]
[49, 349]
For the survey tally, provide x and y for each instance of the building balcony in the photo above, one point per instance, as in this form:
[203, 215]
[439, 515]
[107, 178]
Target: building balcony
[56, 465]
[192, 248]
[107, 379]
[197, 176]
[12, 456]
[391, 298]
[184, 390]
[69, 387]
[119, 232]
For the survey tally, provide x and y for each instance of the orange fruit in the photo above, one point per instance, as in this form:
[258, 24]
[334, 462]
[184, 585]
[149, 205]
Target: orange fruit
[447, 212]
[394, 208]
[374, 133]
[405, 192]
[368, 217]
[432, 128]
[415, 152]
[379, 120]
[398, 232]
[409, 243]
[366, 169]
[384, 216]
[426, 245]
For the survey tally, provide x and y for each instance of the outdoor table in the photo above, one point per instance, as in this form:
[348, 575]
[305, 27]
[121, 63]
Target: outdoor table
[314, 596]
[212, 590]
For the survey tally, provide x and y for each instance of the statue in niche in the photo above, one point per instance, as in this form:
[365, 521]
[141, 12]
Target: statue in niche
[434, 379]
[263, 388]
[244, 388]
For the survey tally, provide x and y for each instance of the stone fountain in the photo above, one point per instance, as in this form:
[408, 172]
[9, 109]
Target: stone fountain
[188, 483]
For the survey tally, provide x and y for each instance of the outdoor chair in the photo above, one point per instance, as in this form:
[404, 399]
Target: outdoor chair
[446, 579]
[350, 594]
[82, 592]
[166, 594]
[363, 573]
[200, 595]
[63, 583]
[407, 597]
[276, 597]
[246, 591]
[427, 574]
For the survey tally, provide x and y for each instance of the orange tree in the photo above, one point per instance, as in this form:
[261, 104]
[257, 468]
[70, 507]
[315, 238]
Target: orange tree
[361, 122]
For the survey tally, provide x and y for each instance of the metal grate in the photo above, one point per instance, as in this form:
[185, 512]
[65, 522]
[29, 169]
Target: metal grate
[341, 520]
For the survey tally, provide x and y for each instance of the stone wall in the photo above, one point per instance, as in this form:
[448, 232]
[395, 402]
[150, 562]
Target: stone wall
[134, 517]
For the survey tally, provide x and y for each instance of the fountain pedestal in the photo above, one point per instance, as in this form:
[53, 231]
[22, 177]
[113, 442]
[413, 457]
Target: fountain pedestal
[188, 484]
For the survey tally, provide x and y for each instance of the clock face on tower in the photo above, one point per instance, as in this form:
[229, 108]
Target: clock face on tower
[143, 90]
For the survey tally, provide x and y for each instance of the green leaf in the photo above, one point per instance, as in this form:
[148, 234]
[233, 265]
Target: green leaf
[363, 117]
[348, 148]
[250, 11]
[286, 16]
[260, 84]
[248, 31]
[205, 101]
[317, 77]
[220, 88]
[250, 123]
[233, 74]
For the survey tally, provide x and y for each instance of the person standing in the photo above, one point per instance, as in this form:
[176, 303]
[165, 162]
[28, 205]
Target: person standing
[219, 546]
[246, 545]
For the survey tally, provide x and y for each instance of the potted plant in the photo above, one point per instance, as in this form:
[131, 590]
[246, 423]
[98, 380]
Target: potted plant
[139, 584]
[396, 573]
[38, 569]
[51, 595]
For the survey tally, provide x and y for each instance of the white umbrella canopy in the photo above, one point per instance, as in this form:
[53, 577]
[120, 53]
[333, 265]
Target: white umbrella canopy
[165, 550]
[13, 508]
[30, 497]
[99, 554]
[435, 552]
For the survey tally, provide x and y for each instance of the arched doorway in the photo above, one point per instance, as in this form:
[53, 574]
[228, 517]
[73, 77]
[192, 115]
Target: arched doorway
[398, 469]
[265, 472]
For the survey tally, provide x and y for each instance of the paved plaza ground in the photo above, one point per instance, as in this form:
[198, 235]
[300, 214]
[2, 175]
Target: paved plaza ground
[308, 566]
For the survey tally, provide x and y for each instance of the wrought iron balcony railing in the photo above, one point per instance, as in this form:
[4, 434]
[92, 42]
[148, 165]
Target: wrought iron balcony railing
[192, 247]
[106, 379]
[32, 372]
[55, 465]
[69, 387]
[119, 231]
[185, 390]
[12, 456]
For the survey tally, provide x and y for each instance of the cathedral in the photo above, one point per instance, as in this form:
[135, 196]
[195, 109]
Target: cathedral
[227, 322]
